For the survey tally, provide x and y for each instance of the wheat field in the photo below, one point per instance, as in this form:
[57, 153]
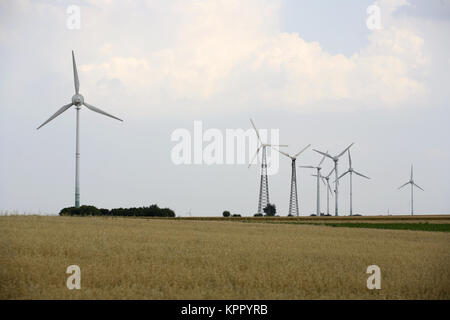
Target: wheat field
[125, 258]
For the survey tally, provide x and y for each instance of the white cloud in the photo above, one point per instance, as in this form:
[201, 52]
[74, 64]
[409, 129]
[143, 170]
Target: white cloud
[186, 54]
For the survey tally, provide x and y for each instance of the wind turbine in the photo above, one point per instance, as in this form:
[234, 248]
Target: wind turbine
[336, 183]
[351, 171]
[264, 185]
[413, 184]
[319, 176]
[293, 200]
[77, 101]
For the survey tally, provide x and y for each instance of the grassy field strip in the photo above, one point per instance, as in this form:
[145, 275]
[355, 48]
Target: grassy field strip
[441, 219]
[437, 227]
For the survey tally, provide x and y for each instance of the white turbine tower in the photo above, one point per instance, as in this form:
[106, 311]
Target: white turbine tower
[413, 184]
[293, 199]
[336, 183]
[264, 185]
[351, 171]
[319, 177]
[77, 101]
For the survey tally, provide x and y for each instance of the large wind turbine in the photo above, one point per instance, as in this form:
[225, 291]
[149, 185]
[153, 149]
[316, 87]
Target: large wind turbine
[264, 185]
[318, 176]
[351, 171]
[336, 183]
[413, 184]
[293, 200]
[77, 101]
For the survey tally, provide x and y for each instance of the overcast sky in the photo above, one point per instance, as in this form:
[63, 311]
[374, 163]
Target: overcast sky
[312, 69]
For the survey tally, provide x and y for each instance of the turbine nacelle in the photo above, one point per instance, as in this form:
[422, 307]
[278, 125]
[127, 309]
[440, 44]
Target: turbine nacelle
[77, 99]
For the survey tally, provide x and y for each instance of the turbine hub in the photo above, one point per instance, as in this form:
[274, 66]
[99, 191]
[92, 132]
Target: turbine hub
[77, 99]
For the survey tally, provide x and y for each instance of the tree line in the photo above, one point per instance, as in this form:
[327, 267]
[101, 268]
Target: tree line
[270, 211]
[151, 211]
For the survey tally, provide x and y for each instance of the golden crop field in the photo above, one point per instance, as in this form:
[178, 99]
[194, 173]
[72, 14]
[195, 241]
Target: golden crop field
[126, 258]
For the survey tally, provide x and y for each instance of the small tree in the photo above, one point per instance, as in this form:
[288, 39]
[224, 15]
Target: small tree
[226, 214]
[270, 210]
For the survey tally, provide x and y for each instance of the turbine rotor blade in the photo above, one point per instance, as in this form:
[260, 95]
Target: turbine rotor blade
[309, 167]
[323, 159]
[301, 151]
[91, 107]
[418, 186]
[324, 153]
[256, 154]
[283, 153]
[75, 74]
[403, 185]
[345, 150]
[332, 170]
[360, 174]
[256, 130]
[342, 175]
[329, 188]
[411, 172]
[349, 159]
[57, 113]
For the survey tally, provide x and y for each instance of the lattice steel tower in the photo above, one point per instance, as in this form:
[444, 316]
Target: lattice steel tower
[264, 186]
[293, 200]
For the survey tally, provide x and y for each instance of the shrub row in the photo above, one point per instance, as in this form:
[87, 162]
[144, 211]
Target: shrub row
[151, 211]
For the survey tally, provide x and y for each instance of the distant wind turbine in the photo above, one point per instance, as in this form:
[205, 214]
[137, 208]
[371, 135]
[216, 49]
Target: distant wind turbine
[413, 184]
[77, 101]
[351, 171]
[293, 199]
[336, 183]
[264, 184]
[319, 177]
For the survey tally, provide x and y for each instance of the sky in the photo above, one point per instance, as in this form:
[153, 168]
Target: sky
[315, 71]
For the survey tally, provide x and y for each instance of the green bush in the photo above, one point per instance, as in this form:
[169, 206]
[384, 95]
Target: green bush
[270, 210]
[81, 211]
[151, 211]
[226, 214]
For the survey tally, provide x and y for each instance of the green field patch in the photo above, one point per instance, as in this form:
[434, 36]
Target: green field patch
[439, 227]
